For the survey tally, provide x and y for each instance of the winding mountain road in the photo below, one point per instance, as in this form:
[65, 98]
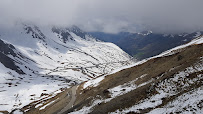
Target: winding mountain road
[72, 101]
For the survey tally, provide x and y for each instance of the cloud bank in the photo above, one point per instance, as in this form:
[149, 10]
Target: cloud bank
[112, 16]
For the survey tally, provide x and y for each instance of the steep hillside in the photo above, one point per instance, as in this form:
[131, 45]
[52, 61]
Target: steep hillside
[171, 82]
[37, 62]
[146, 44]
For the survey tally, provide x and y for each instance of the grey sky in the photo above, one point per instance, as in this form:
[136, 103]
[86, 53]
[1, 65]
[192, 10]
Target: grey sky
[168, 16]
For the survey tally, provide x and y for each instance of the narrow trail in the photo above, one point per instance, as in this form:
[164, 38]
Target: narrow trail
[72, 101]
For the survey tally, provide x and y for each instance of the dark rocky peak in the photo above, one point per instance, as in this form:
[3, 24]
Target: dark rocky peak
[35, 32]
[7, 48]
[7, 61]
[78, 31]
[62, 34]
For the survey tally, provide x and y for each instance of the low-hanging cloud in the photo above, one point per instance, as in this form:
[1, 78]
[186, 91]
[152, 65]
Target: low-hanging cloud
[163, 16]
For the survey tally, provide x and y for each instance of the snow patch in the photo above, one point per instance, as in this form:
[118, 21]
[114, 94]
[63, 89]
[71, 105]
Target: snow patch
[93, 82]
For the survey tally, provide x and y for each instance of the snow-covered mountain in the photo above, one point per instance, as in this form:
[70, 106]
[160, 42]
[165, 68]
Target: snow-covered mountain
[171, 82]
[37, 61]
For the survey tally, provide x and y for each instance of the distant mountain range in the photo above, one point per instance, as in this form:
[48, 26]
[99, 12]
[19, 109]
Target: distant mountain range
[145, 44]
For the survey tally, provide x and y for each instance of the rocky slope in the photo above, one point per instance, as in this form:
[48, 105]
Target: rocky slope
[171, 82]
[37, 62]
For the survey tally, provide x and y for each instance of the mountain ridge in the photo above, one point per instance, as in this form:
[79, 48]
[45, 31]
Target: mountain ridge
[50, 59]
[155, 85]
[146, 44]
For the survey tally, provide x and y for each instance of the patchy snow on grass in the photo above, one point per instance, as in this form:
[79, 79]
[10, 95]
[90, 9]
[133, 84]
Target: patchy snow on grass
[147, 103]
[115, 92]
[173, 86]
[87, 110]
[127, 87]
[38, 105]
[190, 102]
[47, 105]
[165, 89]
[93, 82]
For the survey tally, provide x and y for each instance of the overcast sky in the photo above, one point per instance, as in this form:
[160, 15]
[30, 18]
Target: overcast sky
[112, 16]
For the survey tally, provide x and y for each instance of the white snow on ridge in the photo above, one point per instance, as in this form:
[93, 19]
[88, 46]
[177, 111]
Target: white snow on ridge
[55, 57]
[52, 64]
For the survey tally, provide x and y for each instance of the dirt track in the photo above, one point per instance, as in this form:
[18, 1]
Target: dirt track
[71, 103]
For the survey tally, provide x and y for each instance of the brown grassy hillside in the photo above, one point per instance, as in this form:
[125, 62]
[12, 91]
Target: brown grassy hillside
[152, 86]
